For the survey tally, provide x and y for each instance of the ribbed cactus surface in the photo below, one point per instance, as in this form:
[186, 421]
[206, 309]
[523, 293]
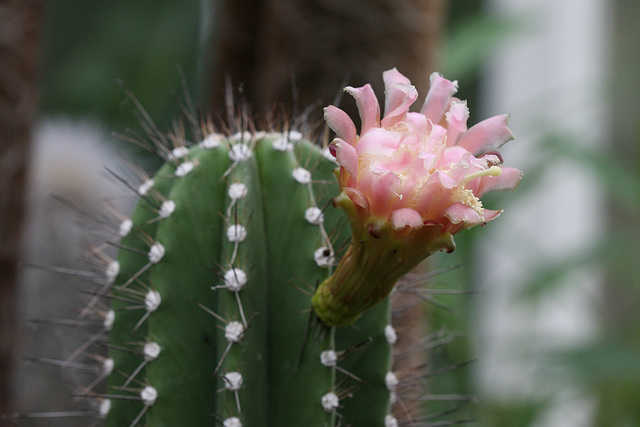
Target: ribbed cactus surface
[210, 312]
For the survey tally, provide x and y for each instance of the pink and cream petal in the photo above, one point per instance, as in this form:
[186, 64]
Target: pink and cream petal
[341, 124]
[379, 142]
[490, 214]
[399, 96]
[453, 156]
[406, 217]
[458, 213]
[394, 94]
[381, 192]
[438, 98]
[508, 179]
[456, 118]
[346, 156]
[488, 135]
[399, 113]
[391, 78]
[445, 180]
[436, 138]
[419, 123]
[433, 196]
[368, 106]
[401, 161]
[357, 197]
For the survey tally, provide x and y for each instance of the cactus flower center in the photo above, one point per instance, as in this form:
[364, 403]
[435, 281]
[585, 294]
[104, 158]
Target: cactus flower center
[409, 182]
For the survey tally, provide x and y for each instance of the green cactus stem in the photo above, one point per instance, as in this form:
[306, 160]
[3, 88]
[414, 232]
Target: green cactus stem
[213, 318]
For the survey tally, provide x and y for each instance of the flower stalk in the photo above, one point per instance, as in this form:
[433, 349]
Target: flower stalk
[377, 257]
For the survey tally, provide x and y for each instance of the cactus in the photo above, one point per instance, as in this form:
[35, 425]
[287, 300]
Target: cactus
[211, 314]
[221, 307]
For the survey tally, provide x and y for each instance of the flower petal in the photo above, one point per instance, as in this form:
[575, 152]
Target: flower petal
[508, 179]
[438, 97]
[406, 217]
[419, 122]
[458, 213]
[346, 156]
[367, 106]
[456, 117]
[488, 135]
[445, 180]
[357, 197]
[436, 137]
[399, 96]
[435, 195]
[341, 124]
[379, 141]
[381, 190]
[490, 214]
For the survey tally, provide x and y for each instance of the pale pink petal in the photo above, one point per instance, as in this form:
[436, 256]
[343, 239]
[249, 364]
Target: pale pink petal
[435, 195]
[381, 192]
[393, 96]
[445, 180]
[341, 124]
[419, 122]
[456, 117]
[436, 137]
[456, 161]
[399, 114]
[399, 162]
[346, 156]
[459, 172]
[458, 213]
[428, 160]
[508, 179]
[454, 155]
[399, 96]
[405, 217]
[379, 141]
[489, 214]
[410, 140]
[476, 164]
[393, 77]
[438, 98]
[367, 106]
[357, 197]
[488, 135]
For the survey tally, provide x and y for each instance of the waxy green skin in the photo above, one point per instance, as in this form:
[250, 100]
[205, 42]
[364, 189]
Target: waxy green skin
[278, 354]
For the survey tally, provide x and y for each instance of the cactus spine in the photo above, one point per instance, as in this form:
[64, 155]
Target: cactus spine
[212, 320]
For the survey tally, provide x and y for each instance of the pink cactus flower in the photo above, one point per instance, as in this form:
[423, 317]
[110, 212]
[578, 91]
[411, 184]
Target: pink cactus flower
[408, 183]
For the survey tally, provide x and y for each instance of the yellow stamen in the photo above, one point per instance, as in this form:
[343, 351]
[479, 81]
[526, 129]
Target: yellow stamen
[466, 197]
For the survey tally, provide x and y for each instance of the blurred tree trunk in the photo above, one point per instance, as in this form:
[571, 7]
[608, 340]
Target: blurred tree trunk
[271, 46]
[619, 397]
[19, 58]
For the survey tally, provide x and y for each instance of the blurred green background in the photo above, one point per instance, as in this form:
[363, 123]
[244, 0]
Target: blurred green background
[90, 46]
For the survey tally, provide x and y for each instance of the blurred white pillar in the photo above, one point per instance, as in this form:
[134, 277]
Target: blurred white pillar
[551, 78]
